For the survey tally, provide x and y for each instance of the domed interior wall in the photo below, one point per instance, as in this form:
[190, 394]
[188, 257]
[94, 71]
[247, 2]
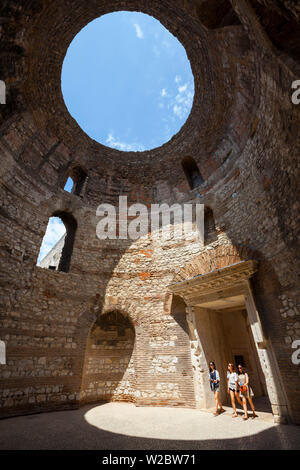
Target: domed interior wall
[243, 135]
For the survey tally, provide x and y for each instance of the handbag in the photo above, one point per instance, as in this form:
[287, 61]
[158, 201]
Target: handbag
[244, 388]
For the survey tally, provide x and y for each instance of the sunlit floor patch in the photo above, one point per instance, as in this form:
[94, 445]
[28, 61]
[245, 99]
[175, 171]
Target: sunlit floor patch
[171, 423]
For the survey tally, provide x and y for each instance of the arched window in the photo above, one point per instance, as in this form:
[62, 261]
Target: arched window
[217, 14]
[57, 246]
[75, 180]
[192, 172]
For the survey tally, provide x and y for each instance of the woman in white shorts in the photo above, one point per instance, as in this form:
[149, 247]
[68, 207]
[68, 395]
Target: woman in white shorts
[233, 388]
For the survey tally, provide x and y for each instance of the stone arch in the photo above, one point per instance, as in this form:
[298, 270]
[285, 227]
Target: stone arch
[215, 258]
[121, 305]
[108, 369]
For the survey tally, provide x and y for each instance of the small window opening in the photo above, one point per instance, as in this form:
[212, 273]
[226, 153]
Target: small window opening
[192, 172]
[69, 185]
[75, 181]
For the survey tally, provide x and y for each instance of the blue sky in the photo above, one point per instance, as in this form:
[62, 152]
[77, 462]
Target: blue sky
[55, 230]
[127, 81]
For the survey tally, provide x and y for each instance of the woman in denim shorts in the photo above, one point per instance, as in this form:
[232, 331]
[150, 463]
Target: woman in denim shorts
[214, 380]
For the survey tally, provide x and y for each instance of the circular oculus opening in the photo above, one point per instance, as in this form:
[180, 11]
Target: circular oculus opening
[127, 82]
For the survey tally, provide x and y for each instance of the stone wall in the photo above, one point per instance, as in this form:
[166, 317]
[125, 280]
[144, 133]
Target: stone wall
[243, 134]
[109, 372]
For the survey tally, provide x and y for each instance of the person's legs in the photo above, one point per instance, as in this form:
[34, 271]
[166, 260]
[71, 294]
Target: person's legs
[237, 396]
[219, 401]
[252, 406]
[216, 401]
[245, 408]
[233, 403]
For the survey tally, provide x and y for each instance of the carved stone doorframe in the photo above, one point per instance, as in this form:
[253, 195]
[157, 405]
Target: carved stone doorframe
[218, 285]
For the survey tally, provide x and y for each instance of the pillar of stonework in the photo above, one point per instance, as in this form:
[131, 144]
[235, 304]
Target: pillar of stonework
[268, 363]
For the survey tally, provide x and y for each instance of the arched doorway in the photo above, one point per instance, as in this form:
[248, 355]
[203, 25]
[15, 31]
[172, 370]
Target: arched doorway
[109, 372]
[225, 327]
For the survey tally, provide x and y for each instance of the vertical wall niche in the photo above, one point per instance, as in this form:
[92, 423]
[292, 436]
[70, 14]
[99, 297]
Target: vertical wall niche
[192, 172]
[78, 176]
[2, 92]
[60, 253]
[178, 311]
[210, 231]
[2, 353]
[109, 373]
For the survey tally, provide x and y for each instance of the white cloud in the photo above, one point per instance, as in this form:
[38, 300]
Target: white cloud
[138, 30]
[183, 88]
[178, 110]
[183, 100]
[163, 92]
[125, 147]
[55, 230]
[177, 79]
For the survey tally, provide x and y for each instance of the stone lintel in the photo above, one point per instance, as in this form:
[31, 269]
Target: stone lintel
[224, 282]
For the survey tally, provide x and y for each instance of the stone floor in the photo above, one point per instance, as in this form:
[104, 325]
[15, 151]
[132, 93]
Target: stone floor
[124, 426]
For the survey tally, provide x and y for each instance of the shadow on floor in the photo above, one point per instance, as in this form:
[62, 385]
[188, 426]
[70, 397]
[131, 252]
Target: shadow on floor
[70, 430]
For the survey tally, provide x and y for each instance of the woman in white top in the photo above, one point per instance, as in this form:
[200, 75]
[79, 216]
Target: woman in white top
[232, 388]
[246, 392]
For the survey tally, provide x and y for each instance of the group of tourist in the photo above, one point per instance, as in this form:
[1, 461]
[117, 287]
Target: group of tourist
[237, 387]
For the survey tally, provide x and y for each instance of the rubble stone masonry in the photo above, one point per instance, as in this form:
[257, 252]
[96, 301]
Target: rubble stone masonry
[107, 329]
